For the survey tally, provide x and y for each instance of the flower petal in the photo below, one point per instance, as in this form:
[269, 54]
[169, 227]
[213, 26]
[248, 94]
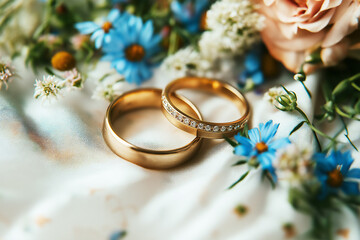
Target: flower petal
[114, 14]
[254, 135]
[353, 173]
[86, 27]
[268, 130]
[351, 188]
[279, 143]
[322, 163]
[242, 150]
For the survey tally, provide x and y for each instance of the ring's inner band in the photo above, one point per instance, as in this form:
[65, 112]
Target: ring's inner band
[208, 85]
[148, 99]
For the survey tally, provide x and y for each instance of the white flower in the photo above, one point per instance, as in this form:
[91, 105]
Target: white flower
[73, 79]
[189, 62]
[48, 88]
[294, 162]
[5, 75]
[108, 89]
[272, 94]
[234, 27]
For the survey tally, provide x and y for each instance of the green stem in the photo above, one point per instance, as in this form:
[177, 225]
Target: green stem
[173, 42]
[306, 89]
[310, 125]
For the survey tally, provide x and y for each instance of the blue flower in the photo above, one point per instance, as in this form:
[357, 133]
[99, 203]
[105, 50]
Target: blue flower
[102, 34]
[190, 13]
[253, 69]
[130, 48]
[260, 145]
[334, 174]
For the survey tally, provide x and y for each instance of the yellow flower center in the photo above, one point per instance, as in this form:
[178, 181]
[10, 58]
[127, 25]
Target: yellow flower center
[202, 24]
[261, 147]
[134, 53]
[63, 61]
[107, 26]
[335, 178]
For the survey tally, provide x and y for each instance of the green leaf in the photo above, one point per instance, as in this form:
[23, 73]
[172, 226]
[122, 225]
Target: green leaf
[231, 142]
[269, 177]
[240, 162]
[239, 180]
[297, 127]
[341, 87]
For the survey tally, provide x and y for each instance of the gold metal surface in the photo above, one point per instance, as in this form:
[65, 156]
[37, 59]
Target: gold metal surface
[148, 158]
[209, 129]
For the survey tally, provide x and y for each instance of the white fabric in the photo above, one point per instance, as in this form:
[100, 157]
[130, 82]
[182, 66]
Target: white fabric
[59, 181]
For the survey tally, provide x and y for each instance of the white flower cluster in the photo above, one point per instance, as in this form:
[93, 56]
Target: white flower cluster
[272, 94]
[51, 86]
[187, 62]
[234, 27]
[109, 88]
[294, 163]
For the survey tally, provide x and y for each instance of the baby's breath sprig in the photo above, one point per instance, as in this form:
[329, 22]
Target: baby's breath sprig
[6, 75]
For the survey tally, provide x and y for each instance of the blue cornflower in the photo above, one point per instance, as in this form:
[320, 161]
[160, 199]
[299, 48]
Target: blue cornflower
[260, 145]
[191, 14]
[253, 71]
[334, 174]
[130, 47]
[102, 34]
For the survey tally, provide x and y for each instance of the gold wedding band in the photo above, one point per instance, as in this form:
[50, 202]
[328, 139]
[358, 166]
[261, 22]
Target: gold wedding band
[148, 158]
[196, 126]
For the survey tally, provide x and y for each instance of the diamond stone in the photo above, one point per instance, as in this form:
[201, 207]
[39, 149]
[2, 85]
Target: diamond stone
[230, 128]
[237, 126]
[193, 123]
[165, 103]
[223, 128]
[186, 121]
[216, 128]
[180, 118]
[174, 114]
[200, 126]
[208, 128]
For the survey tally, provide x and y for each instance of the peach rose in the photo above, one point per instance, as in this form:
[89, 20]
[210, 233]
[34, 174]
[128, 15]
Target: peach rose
[295, 28]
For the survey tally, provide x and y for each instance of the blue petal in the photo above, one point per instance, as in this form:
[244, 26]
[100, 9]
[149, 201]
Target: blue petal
[268, 130]
[200, 5]
[265, 159]
[252, 62]
[322, 164]
[257, 77]
[243, 141]
[86, 27]
[98, 36]
[144, 71]
[353, 173]
[113, 15]
[279, 143]
[242, 150]
[146, 33]
[351, 188]
[254, 135]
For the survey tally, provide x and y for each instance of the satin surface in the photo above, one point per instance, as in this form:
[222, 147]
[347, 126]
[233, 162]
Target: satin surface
[59, 181]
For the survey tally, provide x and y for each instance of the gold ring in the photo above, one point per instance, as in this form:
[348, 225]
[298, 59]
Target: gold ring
[196, 126]
[148, 158]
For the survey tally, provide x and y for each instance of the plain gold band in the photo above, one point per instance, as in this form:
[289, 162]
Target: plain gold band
[148, 158]
[196, 126]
